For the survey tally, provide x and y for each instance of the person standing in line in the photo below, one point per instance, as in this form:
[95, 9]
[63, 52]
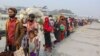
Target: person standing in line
[32, 43]
[52, 34]
[14, 31]
[56, 31]
[31, 23]
[47, 29]
[24, 42]
[63, 27]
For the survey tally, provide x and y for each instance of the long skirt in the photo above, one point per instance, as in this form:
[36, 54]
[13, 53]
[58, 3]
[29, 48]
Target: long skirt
[62, 35]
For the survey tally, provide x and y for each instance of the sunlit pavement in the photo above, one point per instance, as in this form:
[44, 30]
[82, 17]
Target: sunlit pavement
[85, 41]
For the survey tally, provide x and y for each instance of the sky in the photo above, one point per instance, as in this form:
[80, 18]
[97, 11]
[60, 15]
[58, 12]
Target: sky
[89, 8]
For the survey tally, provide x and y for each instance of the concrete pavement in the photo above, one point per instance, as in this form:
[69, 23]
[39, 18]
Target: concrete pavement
[84, 42]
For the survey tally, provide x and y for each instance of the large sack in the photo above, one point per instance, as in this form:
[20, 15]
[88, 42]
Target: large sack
[52, 37]
[19, 52]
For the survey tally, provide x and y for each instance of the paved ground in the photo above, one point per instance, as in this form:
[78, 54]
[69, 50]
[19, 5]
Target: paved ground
[84, 42]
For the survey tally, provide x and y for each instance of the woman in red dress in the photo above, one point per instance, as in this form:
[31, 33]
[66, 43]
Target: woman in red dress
[47, 29]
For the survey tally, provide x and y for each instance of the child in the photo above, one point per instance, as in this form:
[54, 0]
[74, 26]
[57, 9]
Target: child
[24, 43]
[33, 43]
[36, 32]
[37, 41]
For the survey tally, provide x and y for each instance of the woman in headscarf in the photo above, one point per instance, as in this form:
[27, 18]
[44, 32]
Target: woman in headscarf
[47, 29]
[63, 27]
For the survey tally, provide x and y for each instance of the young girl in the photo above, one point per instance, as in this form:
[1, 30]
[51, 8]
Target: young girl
[33, 43]
[24, 42]
[37, 41]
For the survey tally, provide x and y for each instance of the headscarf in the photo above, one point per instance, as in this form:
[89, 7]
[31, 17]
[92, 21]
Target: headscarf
[46, 25]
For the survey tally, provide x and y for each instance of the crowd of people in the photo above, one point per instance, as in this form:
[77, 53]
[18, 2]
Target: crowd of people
[24, 33]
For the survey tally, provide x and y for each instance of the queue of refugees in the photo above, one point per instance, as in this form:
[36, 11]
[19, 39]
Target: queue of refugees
[22, 38]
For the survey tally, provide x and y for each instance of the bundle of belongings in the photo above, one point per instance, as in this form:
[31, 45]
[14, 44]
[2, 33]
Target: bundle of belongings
[6, 54]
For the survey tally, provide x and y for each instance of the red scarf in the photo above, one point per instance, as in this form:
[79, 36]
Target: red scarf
[46, 25]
